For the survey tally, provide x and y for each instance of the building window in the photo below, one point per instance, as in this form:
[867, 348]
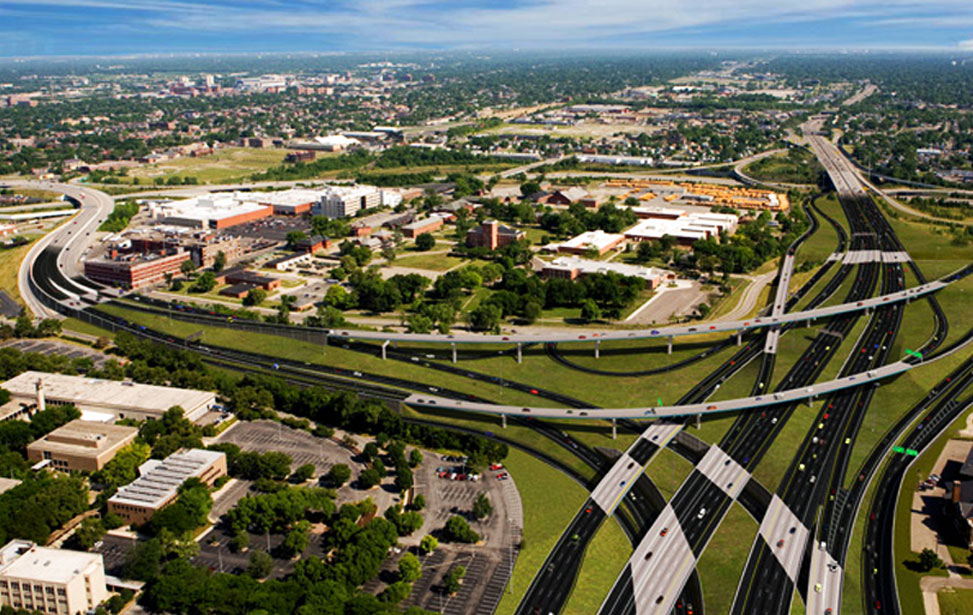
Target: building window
[60, 592]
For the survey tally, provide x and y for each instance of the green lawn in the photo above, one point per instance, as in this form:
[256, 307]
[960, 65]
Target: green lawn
[668, 470]
[722, 564]
[818, 246]
[773, 465]
[432, 262]
[606, 556]
[795, 167]
[728, 302]
[789, 350]
[546, 515]
[955, 601]
[80, 326]
[713, 427]
[224, 166]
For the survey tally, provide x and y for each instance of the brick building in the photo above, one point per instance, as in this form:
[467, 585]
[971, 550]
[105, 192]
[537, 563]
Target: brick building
[492, 235]
[134, 270]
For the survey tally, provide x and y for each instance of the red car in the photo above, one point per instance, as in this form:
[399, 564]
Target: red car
[496, 466]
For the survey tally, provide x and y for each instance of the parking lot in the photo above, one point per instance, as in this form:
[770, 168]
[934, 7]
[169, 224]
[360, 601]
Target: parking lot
[266, 436]
[61, 348]
[274, 228]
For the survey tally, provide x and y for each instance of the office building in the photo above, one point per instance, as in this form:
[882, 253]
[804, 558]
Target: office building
[346, 201]
[158, 483]
[81, 445]
[599, 241]
[46, 580]
[134, 270]
[492, 235]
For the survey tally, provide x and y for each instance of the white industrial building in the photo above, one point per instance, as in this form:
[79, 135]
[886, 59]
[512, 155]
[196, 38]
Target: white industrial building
[212, 211]
[685, 229]
[44, 580]
[99, 399]
[598, 240]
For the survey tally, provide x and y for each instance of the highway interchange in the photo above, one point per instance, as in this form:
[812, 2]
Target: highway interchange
[796, 546]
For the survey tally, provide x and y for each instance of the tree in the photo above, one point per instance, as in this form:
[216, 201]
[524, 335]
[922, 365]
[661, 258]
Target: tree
[260, 565]
[205, 282]
[219, 262]
[928, 559]
[418, 502]
[187, 267]
[409, 568]
[303, 473]
[458, 530]
[295, 236]
[88, 533]
[339, 474]
[369, 478]
[255, 296]
[415, 457]
[425, 242]
[482, 507]
[590, 311]
[485, 317]
[529, 187]
[428, 544]
[370, 451]
[396, 592]
[418, 323]
[453, 578]
[403, 478]
[296, 539]
[532, 311]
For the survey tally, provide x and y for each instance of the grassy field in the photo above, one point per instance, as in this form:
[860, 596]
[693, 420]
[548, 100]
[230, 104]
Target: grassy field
[668, 471]
[606, 556]
[224, 166]
[727, 303]
[955, 601]
[432, 262]
[818, 246]
[10, 259]
[795, 167]
[722, 564]
[545, 518]
[80, 326]
[789, 350]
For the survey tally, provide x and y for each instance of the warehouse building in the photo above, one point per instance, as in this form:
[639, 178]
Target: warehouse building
[98, 398]
[158, 483]
[81, 445]
[45, 580]
[212, 211]
[426, 225]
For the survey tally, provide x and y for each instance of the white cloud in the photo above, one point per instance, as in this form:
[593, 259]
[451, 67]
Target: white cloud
[444, 23]
[967, 44]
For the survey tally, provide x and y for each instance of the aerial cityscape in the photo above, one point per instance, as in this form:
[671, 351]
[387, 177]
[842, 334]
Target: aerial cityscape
[522, 308]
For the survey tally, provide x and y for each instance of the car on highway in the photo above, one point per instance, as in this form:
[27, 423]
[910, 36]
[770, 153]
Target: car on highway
[701, 513]
[664, 531]
[817, 587]
[780, 543]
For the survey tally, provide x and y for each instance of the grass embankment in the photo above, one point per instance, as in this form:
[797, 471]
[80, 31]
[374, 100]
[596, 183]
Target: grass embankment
[668, 471]
[10, 260]
[722, 564]
[606, 556]
[545, 517]
[728, 303]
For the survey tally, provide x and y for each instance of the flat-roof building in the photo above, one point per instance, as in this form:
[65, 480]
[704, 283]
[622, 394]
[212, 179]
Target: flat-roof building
[599, 240]
[120, 399]
[572, 267]
[686, 229]
[158, 483]
[47, 580]
[135, 270]
[81, 445]
[212, 211]
[346, 201]
[427, 225]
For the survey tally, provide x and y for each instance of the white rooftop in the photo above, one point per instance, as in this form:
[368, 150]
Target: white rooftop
[588, 266]
[159, 480]
[98, 393]
[25, 560]
[597, 239]
[210, 207]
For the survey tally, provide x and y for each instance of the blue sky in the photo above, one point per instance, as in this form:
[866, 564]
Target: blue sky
[94, 27]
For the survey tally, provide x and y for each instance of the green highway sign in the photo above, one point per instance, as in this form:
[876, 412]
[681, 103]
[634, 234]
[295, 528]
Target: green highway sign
[918, 355]
[660, 401]
[912, 452]
[898, 449]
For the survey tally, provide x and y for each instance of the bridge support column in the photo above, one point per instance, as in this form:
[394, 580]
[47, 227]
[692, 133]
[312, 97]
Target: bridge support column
[739, 337]
[597, 344]
[503, 421]
[669, 349]
[385, 345]
[807, 323]
[699, 420]
[454, 351]
[520, 354]
[614, 430]
[325, 340]
[395, 344]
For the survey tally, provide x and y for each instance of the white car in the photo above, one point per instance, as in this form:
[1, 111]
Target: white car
[702, 513]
